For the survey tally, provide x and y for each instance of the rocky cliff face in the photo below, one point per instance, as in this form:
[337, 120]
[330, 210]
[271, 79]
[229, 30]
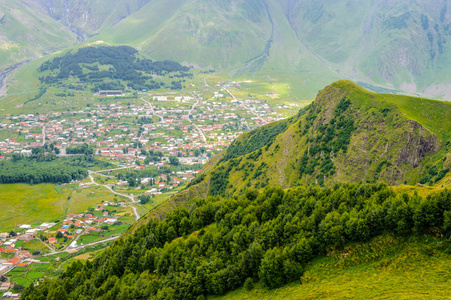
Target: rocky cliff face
[419, 142]
[86, 17]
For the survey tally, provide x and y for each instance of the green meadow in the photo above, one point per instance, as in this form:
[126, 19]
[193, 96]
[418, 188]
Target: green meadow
[34, 204]
[385, 268]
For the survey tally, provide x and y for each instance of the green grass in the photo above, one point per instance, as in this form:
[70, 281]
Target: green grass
[35, 275]
[51, 258]
[33, 204]
[40, 267]
[434, 115]
[117, 229]
[7, 256]
[385, 268]
[29, 32]
[89, 238]
[22, 280]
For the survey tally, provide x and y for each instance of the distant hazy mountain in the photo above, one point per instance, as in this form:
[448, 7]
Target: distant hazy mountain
[401, 44]
[33, 28]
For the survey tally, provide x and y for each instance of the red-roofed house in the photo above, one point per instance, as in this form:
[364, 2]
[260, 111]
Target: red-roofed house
[14, 261]
[26, 253]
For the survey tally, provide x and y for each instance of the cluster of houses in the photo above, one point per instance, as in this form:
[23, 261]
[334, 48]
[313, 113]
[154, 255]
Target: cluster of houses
[101, 125]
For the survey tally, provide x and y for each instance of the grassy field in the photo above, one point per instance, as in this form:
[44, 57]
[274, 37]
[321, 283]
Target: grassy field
[33, 204]
[35, 245]
[385, 268]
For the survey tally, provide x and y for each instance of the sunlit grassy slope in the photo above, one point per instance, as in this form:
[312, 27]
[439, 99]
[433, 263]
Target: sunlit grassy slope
[195, 31]
[385, 268]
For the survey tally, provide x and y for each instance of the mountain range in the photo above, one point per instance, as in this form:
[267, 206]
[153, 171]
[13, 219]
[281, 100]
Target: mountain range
[400, 45]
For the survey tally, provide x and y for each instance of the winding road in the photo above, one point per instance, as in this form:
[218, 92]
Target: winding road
[153, 111]
[79, 247]
[135, 210]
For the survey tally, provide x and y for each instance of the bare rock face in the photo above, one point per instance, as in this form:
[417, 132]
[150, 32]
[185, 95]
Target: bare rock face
[420, 142]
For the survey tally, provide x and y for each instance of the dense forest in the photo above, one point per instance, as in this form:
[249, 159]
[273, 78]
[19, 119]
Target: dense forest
[216, 245]
[43, 166]
[34, 172]
[109, 68]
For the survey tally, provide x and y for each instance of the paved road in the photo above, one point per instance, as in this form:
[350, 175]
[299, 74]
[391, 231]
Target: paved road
[189, 119]
[109, 170]
[153, 111]
[52, 251]
[135, 211]
[80, 247]
[43, 135]
[242, 105]
[109, 187]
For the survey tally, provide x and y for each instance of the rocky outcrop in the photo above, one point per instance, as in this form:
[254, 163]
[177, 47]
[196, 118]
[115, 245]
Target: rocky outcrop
[420, 142]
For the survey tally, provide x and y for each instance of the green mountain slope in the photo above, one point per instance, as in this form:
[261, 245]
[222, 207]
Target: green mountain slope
[401, 45]
[27, 32]
[33, 28]
[277, 237]
[244, 38]
[347, 134]
[199, 32]
[89, 17]
[397, 45]
[385, 268]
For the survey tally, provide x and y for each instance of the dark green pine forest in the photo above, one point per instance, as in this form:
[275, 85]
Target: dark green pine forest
[110, 68]
[216, 245]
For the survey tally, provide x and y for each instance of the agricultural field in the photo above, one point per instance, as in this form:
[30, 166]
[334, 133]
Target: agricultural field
[26, 275]
[34, 204]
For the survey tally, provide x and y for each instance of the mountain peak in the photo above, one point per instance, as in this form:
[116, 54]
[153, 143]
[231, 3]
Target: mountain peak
[348, 134]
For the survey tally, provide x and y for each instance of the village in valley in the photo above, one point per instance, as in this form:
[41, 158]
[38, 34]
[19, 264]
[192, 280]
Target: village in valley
[153, 144]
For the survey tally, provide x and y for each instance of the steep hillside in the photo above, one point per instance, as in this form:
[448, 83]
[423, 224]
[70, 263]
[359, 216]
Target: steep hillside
[400, 45]
[347, 134]
[27, 32]
[88, 17]
[200, 32]
[33, 28]
[274, 238]
[244, 38]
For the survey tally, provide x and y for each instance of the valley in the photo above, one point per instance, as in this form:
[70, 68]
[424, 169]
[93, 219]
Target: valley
[193, 149]
[147, 146]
